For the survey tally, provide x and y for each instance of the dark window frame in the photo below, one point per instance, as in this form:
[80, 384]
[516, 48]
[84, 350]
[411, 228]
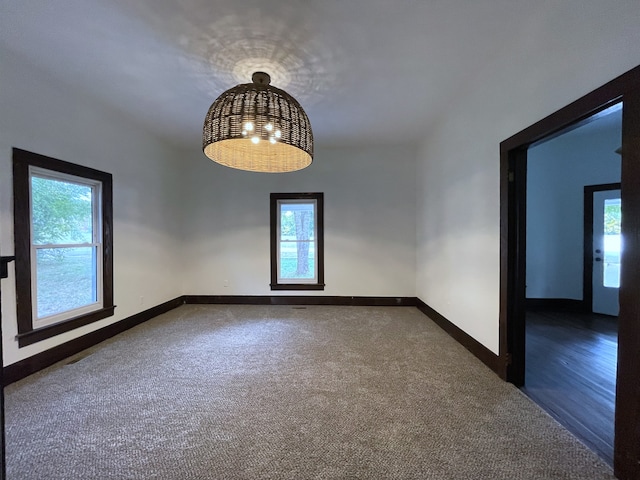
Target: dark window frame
[319, 232]
[22, 161]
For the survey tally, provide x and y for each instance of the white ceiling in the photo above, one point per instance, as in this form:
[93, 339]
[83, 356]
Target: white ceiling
[364, 70]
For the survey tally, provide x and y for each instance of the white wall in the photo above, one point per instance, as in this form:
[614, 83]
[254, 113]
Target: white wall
[557, 172]
[38, 115]
[567, 50]
[370, 211]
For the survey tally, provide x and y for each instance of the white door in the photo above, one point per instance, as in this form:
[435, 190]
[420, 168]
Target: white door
[606, 251]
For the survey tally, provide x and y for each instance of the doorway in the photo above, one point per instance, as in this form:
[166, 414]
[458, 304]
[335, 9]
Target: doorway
[513, 152]
[571, 354]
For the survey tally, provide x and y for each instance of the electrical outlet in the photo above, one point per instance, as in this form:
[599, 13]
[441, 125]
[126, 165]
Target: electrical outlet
[141, 300]
[226, 283]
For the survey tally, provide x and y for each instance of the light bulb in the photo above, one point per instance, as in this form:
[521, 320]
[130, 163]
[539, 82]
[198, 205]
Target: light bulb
[278, 133]
[255, 140]
[272, 139]
[248, 126]
[244, 133]
[268, 127]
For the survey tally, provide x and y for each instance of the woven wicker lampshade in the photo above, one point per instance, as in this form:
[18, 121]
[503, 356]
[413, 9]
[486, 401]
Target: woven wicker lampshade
[257, 127]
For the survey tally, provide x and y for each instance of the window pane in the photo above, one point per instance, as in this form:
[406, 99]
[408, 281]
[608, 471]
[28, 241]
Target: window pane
[61, 211]
[297, 260]
[297, 221]
[612, 244]
[66, 279]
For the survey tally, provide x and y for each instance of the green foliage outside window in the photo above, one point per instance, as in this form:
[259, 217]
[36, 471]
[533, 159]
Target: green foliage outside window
[61, 212]
[612, 219]
[297, 222]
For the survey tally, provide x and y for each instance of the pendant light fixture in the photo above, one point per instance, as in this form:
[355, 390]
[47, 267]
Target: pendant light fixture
[259, 128]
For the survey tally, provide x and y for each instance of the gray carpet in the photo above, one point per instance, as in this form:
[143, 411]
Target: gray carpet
[279, 392]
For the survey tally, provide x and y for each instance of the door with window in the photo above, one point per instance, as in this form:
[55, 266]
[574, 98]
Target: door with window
[606, 251]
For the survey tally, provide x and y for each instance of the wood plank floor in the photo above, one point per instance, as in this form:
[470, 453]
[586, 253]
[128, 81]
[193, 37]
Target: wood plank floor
[571, 372]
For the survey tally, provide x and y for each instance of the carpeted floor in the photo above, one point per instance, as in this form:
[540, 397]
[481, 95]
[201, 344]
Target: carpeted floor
[281, 392]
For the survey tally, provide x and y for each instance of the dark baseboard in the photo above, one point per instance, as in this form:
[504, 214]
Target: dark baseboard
[23, 368]
[486, 356]
[300, 300]
[558, 304]
[28, 366]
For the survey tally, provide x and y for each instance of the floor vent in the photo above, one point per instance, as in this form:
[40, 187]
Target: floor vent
[77, 359]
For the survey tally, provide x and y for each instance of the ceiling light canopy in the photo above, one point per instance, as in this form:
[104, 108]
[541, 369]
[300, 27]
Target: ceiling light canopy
[259, 128]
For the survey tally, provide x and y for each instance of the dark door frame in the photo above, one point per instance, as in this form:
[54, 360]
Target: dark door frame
[513, 154]
[4, 261]
[587, 270]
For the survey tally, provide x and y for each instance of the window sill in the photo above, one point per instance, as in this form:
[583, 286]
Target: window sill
[297, 286]
[39, 334]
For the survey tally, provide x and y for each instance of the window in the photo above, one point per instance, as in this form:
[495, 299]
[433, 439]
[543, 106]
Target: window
[64, 265]
[297, 246]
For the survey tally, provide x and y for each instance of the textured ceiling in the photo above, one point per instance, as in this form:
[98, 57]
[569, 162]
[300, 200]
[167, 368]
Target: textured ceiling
[364, 70]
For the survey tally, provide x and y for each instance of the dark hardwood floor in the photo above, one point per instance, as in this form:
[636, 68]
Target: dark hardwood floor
[571, 372]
